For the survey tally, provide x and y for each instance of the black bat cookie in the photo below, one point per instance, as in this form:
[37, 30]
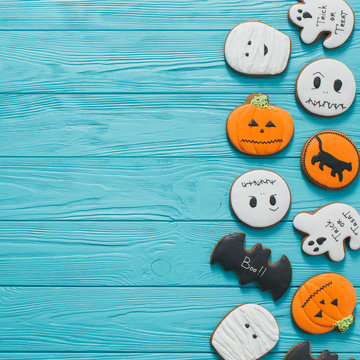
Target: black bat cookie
[253, 265]
[302, 352]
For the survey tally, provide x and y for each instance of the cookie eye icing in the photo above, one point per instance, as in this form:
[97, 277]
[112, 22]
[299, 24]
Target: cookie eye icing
[249, 43]
[317, 82]
[299, 18]
[337, 85]
[319, 314]
[311, 243]
[254, 336]
[253, 202]
[247, 326]
[334, 302]
[247, 54]
[322, 302]
[270, 124]
[272, 200]
[300, 11]
[253, 123]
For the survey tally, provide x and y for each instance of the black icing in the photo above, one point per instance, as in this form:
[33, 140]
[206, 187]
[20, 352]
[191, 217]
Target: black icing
[337, 85]
[253, 265]
[324, 158]
[302, 352]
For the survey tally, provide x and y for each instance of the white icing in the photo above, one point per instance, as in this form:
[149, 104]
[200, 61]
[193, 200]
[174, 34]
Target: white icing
[232, 340]
[315, 17]
[255, 48]
[335, 222]
[324, 100]
[265, 186]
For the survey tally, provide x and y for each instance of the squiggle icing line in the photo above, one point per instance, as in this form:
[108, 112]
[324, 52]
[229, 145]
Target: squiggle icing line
[329, 105]
[258, 183]
[315, 293]
[261, 142]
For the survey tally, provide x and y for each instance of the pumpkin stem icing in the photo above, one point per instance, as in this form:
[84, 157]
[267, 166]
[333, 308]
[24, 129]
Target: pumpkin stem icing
[345, 323]
[261, 101]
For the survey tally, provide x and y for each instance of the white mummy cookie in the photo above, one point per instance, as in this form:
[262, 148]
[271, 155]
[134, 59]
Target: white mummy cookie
[327, 228]
[248, 332]
[316, 17]
[326, 87]
[255, 48]
[260, 198]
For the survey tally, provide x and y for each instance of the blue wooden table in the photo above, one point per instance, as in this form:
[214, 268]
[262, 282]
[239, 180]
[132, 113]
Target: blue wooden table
[115, 171]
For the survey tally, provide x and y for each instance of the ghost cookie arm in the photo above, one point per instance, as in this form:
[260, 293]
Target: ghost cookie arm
[337, 253]
[303, 222]
[333, 41]
[308, 35]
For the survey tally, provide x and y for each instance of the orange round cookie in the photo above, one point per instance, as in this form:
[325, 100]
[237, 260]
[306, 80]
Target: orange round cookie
[330, 160]
[323, 303]
[258, 128]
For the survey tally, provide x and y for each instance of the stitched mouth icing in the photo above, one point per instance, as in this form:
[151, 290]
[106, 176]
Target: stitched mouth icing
[325, 104]
[261, 142]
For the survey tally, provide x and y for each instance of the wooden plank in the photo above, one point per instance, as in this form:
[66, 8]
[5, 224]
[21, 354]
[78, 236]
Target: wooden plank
[140, 14]
[163, 189]
[142, 254]
[140, 62]
[136, 320]
[140, 125]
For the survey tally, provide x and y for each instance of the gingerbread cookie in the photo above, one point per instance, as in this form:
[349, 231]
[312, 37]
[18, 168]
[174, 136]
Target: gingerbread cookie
[317, 17]
[327, 228]
[248, 332]
[330, 160]
[260, 198]
[323, 303]
[302, 352]
[325, 87]
[255, 48]
[258, 128]
[253, 265]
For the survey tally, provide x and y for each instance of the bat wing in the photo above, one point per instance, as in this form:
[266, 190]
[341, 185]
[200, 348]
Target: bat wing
[302, 351]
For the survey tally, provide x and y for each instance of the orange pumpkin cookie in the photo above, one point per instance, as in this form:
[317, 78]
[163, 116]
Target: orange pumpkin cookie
[330, 160]
[323, 303]
[258, 128]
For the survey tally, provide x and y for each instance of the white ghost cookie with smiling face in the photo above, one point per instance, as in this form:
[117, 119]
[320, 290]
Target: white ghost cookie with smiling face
[258, 49]
[328, 228]
[260, 198]
[248, 332]
[326, 87]
[316, 17]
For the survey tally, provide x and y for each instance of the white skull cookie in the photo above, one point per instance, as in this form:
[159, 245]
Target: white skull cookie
[327, 229]
[316, 17]
[326, 87]
[255, 48]
[248, 332]
[260, 198]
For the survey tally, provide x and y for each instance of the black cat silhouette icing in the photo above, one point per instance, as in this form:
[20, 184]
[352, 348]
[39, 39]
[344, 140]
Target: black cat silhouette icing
[302, 352]
[324, 158]
[253, 265]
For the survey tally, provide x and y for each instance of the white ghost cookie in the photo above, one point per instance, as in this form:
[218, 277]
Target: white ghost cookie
[316, 17]
[326, 87]
[260, 198]
[248, 332]
[327, 229]
[255, 48]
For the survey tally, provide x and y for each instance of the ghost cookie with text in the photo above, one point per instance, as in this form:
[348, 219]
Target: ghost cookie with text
[260, 198]
[328, 228]
[325, 87]
[257, 49]
[259, 128]
[324, 303]
[302, 351]
[247, 332]
[335, 18]
[253, 265]
[330, 160]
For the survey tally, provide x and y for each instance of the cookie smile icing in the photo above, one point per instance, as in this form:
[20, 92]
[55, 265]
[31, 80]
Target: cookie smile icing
[323, 103]
[261, 142]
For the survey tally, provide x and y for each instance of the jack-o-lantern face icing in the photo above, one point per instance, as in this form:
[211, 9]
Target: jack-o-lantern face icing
[323, 303]
[255, 48]
[326, 87]
[330, 160]
[260, 198]
[317, 17]
[258, 128]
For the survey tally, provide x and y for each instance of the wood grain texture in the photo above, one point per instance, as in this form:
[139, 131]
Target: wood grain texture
[141, 125]
[137, 319]
[142, 188]
[118, 62]
[142, 14]
[143, 254]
